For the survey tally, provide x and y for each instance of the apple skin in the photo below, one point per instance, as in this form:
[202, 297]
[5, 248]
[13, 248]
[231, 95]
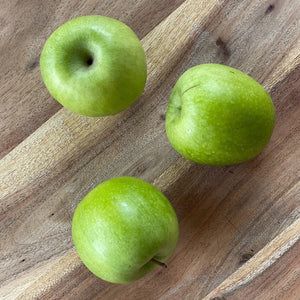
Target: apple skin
[218, 115]
[120, 226]
[94, 66]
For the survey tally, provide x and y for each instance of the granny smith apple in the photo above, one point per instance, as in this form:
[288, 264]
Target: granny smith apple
[94, 65]
[218, 115]
[123, 229]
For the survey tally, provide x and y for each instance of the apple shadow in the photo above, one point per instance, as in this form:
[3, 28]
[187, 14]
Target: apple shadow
[215, 206]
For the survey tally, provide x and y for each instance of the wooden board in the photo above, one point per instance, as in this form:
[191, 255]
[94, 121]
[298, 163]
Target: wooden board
[51, 157]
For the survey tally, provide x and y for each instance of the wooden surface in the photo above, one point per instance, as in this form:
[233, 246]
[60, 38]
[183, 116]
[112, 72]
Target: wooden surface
[239, 225]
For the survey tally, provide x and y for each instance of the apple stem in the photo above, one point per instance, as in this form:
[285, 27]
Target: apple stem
[158, 263]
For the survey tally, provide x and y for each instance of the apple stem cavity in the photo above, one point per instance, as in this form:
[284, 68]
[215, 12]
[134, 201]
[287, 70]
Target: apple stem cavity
[161, 264]
[89, 61]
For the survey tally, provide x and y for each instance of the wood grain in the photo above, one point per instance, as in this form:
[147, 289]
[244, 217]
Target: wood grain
[25, 27]
[273, 273]
[226, 214]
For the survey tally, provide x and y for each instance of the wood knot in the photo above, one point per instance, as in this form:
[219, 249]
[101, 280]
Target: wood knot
[32, 65]
[220, 43]
[245, 257]
[269, 9]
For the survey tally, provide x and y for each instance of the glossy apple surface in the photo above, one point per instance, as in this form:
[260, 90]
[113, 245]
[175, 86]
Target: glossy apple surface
[94, 65]
[218, 115]
[120, 226]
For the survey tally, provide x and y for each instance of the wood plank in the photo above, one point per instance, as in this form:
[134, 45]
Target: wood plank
[274, 272]
[227, 214]
[25, 26]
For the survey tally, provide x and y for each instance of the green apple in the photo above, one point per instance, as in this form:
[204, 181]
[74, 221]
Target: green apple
[218, 115]
[123, 229]
[94, 65]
